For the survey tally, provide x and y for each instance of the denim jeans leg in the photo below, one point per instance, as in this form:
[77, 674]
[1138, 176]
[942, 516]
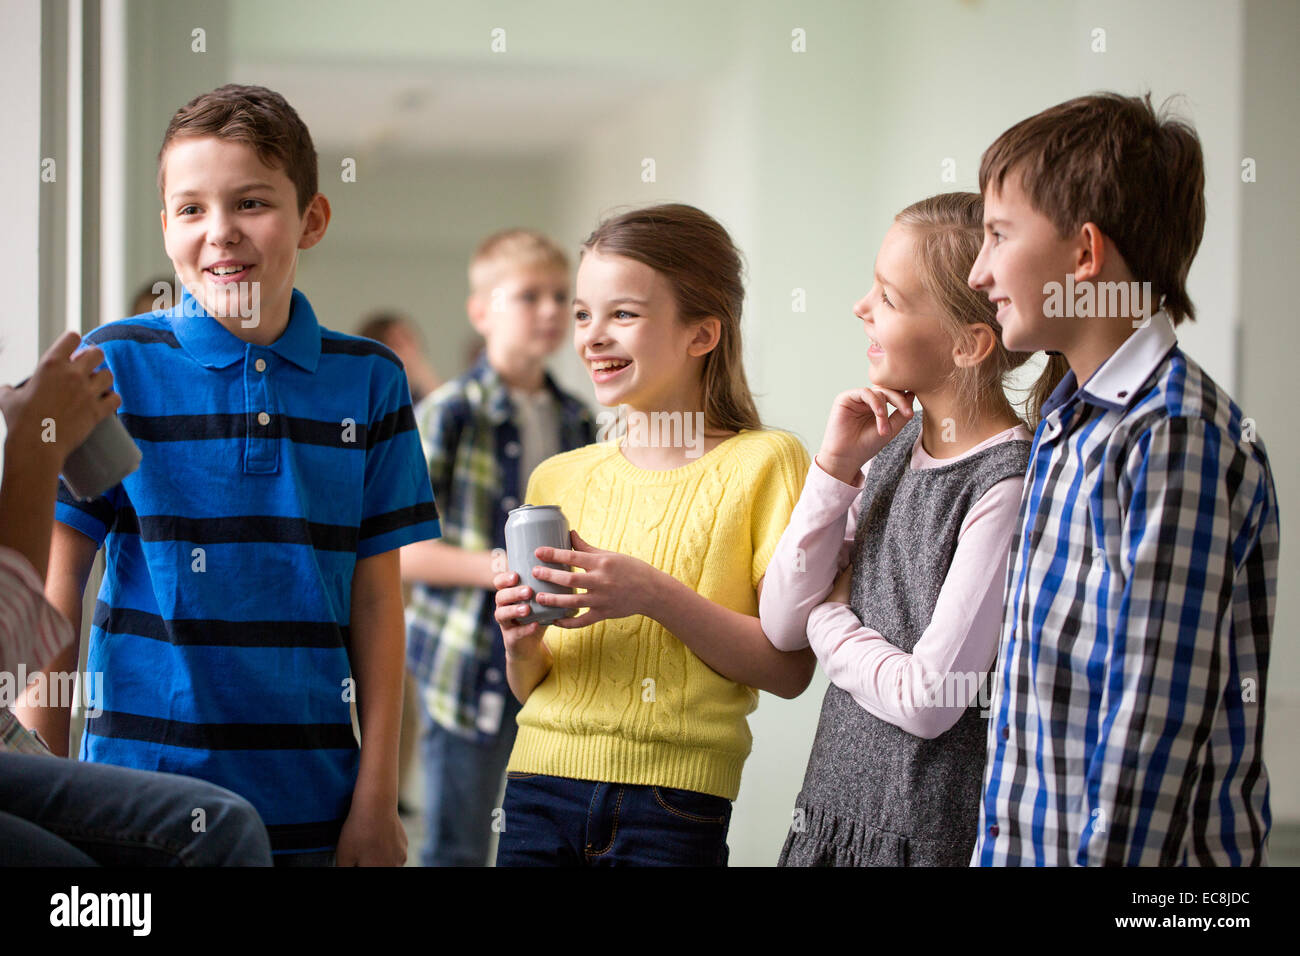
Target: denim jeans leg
[545, 820]
[634, 825]
[124, 817]
[23, 843]
[462, 783]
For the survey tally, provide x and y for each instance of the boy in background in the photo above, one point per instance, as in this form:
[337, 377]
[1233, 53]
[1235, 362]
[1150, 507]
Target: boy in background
[1129, 700]
[400, 334]
[251, 587]
[483, 434]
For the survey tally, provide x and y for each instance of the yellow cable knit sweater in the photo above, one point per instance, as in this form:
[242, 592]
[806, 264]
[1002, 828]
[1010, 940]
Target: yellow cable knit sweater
[626, 701]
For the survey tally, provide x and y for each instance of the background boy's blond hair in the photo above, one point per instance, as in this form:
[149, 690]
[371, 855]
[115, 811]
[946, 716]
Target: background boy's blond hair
[512, 250]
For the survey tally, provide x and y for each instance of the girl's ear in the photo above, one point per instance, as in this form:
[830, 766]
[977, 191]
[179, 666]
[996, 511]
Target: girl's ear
[708, 333]
[980, 341]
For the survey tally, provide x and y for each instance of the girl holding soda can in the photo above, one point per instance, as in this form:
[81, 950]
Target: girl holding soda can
[633, 731]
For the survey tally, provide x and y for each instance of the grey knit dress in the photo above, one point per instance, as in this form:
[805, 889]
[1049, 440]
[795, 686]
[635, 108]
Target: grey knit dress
[873, 794]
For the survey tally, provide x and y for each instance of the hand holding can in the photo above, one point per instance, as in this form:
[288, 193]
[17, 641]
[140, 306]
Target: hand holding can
[528, 528]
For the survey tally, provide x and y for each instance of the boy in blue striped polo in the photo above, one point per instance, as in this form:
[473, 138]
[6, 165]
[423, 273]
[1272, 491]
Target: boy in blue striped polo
[251, 588]
[1128, 709]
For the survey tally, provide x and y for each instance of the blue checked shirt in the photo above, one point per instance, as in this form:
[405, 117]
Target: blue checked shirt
[1129, 696]
[454, 647]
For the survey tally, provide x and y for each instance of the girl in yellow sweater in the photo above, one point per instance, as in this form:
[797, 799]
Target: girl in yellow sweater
[633, 734]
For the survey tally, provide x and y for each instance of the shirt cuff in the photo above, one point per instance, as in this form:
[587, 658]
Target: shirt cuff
[826, 497]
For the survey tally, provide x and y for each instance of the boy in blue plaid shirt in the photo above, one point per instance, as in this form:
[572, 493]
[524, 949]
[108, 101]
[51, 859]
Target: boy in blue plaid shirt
[1128, 709]
[483, 433]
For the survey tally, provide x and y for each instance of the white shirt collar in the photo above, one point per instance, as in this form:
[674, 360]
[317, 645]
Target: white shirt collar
[1117, 381]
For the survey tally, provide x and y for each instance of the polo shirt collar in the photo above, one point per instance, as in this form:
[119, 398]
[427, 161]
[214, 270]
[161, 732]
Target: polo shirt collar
[1115, 385]
[212, 345]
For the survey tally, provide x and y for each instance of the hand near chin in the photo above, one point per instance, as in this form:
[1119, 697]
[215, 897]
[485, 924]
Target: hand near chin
[860, 425]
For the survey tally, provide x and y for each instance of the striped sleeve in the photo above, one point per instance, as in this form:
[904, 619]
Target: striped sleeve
[93, 518]
[1168, 669]
[31, 630]
[398, 506]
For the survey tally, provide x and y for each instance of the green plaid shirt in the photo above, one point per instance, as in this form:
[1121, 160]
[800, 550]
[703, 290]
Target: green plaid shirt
[471, 442]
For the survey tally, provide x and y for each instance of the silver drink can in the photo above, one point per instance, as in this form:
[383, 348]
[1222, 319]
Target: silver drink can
[107, 456]
[528, 528]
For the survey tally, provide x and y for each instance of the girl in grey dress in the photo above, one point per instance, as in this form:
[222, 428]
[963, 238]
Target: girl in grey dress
[875, 793]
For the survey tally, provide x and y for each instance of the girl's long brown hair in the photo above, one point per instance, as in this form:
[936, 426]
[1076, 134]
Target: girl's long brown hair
[695, 254]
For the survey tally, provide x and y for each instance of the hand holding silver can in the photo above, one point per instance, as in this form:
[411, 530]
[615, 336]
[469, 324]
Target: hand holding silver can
[528, 528]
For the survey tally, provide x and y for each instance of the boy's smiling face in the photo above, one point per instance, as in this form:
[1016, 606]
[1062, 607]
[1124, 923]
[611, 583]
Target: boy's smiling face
[229, 221]
[1022, 252]
[526, 312]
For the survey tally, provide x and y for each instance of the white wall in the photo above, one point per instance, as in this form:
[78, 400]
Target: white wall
[401, 236]
[1270, 342]
[20, 184]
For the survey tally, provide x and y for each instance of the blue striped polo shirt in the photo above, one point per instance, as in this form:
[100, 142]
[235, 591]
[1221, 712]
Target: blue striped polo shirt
[221, 629]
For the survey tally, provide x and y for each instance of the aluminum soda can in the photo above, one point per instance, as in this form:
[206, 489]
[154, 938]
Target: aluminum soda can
[108, 455]
[528, 528]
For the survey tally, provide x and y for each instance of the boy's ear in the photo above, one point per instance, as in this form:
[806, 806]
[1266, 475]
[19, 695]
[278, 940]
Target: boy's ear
[315, 220]
[979, 345]
[476, 309]
[163, 215]
[708, 333]
[1091, 253]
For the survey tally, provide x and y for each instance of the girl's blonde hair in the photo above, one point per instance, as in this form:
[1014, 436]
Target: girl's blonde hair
[695, 254]
[949, 231]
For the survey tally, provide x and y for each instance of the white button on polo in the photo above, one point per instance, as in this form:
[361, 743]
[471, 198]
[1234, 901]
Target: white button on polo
[512, 449]
[493, 675]
[509, 503]
[263, 418]
[260, 365]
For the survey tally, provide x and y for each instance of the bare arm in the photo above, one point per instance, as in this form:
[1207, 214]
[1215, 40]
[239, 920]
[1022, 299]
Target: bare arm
[372, 833]
[731, 643]
[528, 659]
[617, 585]
[445, 565]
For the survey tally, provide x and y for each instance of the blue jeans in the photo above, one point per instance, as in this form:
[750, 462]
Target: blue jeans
[60, 812]
[559, 821]
[462, 780]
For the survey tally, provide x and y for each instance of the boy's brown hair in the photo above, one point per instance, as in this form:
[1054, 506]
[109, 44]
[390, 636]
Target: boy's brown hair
[257, 117]
[512, 250]
[1112, 160]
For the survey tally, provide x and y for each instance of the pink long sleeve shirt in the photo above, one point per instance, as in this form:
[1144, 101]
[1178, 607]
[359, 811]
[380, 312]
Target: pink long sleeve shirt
[962, 636]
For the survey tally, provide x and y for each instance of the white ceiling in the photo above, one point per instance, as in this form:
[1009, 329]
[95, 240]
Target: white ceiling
[449, 109]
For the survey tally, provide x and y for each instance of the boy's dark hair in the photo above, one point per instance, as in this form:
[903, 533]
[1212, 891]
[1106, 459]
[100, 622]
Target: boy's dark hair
[380, 325]
[1112, 160]
[258, 117]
